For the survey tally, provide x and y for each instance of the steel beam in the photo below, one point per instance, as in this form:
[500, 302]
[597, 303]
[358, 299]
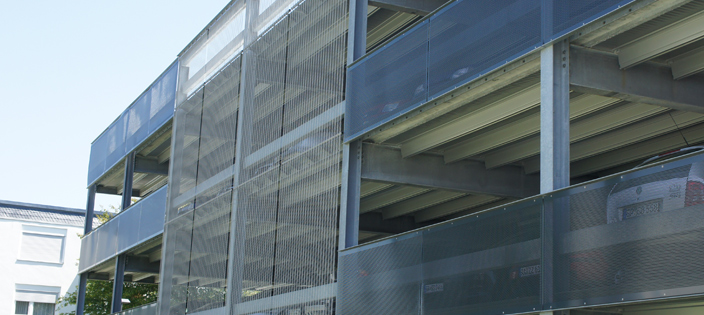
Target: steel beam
[419, 7]
[662, 41]
[118, 283]
[599, 73]
[374, 222]
[141, 264]
[453, 207]
[150, 166]
[385, 164]
[688, 64]
[476, 120]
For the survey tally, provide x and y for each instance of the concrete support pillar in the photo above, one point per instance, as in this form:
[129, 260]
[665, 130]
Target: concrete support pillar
[118, 283]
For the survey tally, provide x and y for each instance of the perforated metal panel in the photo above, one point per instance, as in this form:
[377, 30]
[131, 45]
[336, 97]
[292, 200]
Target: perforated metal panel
[142, 118]
[631, 238]
[389, 82]
[570, 14]
[468, 38]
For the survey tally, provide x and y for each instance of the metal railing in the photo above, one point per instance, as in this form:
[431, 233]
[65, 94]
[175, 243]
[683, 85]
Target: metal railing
[138, 223]
[459, 43]
[631, 236]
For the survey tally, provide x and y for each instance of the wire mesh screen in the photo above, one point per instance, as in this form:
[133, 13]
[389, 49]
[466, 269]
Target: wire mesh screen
[264, 89]
[632, 238]
[176, 261]
[184, 160]
[468, 38]
[384, 279]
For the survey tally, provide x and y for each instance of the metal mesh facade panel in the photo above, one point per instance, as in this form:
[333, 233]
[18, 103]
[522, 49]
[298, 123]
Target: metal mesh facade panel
[212, 50]
[217, 136]
[633, 238]
[177, 255]
[459, 43]
[142, 118]
[184, 160]
[469, 38]
[485, 264]
[383, 279]
[570, 14]
[388, 82]
[131, 227]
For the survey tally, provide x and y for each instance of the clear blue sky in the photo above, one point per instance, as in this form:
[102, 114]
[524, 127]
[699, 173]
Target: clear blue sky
[69, 68]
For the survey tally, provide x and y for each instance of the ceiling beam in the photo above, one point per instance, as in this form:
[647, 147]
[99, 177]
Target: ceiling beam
[599, 73]
[662, 41]
[150, 166]
[476, 120]
[418, 203]
[388, 197]
[688, 64]
[453, 207]
[580, 106]
[385, 164]
[418, 7]
[580, 130]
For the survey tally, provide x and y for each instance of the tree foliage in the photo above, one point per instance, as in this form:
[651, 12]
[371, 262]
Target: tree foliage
[99, 296]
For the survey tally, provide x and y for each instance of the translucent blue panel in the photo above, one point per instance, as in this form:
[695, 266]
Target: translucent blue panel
[152, 216]
[470, 38]
[136, 120]
[163, 97]
[128, 230]
[115, 146]
[87, 249]
[384, 279]
[96, 166]
[570, 14]
[485, 264]
[633, 237]
[387, 83]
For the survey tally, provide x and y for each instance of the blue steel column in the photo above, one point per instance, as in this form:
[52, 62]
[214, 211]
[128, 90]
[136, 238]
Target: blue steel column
[87, 228]
[118, 282]
[127, 184]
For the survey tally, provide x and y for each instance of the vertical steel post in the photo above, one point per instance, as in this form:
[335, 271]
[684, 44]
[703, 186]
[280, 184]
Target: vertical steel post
[350, 194]
[357, 33]
[554, 151]
[127, 183]
[81, 297]
[118, 282]
[90, 207]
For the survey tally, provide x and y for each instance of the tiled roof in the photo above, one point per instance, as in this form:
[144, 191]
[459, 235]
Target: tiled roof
[42, 213]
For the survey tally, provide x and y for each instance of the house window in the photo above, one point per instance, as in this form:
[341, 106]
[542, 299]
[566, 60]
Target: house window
[34, 308]
[41, 244]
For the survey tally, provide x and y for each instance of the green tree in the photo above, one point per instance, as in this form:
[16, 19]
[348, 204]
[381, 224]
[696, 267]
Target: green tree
[99, 296]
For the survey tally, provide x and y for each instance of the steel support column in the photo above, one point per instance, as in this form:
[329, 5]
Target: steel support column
[118, 283]
[554, 150]
[357, 33]
[127, 183]
[90, 207]
[81, 296]
[350, 194]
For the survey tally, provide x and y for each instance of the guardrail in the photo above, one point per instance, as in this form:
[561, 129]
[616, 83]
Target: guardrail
[148, 309]
[136, 224]
[631, 236]
[457, 44]
[142, 118]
